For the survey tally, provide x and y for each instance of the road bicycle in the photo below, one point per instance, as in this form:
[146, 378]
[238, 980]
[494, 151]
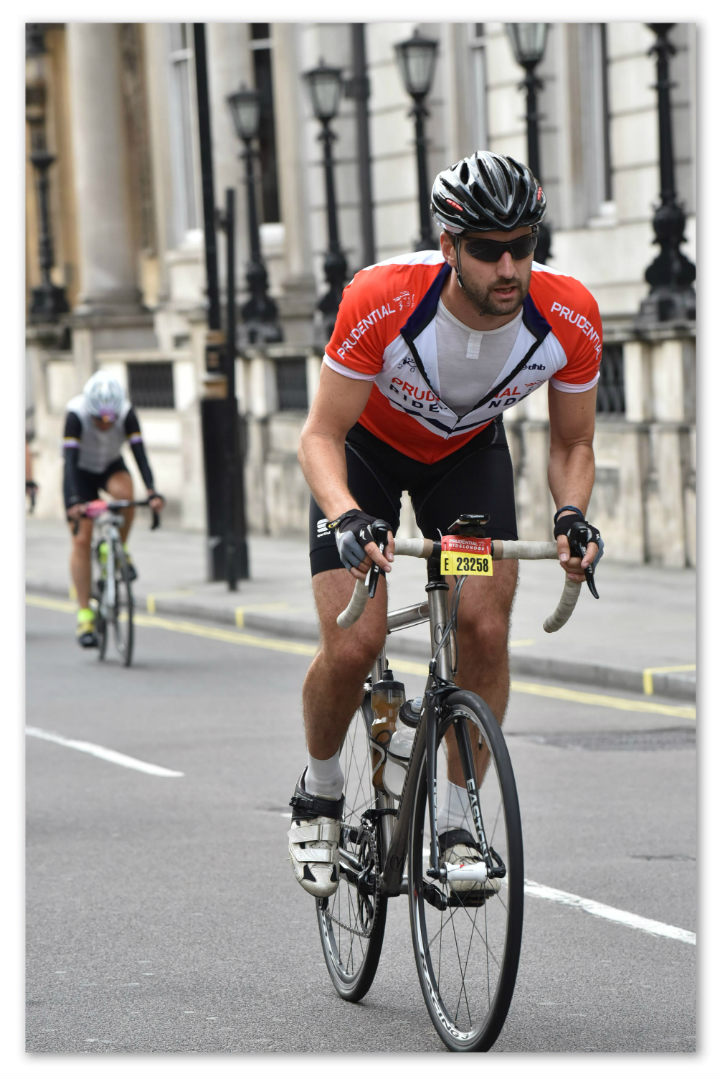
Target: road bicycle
[112, 575]
[466, 919]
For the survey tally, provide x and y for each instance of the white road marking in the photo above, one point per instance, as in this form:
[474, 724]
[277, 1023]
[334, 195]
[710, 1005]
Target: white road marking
[612, 914]
[105, 754]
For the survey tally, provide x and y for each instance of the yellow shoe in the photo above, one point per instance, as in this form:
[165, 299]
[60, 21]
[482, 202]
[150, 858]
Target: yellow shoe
[85, 628]
[132, 572]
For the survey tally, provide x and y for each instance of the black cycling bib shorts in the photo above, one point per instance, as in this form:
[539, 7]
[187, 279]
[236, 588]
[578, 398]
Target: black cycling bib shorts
[477, 478]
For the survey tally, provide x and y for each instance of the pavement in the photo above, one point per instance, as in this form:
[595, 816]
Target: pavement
[639, 636]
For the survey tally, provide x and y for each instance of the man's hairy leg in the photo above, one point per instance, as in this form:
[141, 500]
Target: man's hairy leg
[80, 571]
[334, 682]
[483, 648]
[120, 487]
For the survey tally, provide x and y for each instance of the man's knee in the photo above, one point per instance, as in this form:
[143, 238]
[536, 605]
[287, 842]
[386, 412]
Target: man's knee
[81, 546]
[120, 485]
[352, 654]
[484, 635]
[484, 620]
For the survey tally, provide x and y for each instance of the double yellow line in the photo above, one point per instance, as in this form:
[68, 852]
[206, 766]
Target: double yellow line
[405, 666]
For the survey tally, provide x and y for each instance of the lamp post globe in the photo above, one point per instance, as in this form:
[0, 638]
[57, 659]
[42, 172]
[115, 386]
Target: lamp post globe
[325, 85]
[528, 41]
[416, 60]
[259, 313]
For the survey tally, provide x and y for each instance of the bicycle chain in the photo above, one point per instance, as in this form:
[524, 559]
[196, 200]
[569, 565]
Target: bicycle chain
[370, 833]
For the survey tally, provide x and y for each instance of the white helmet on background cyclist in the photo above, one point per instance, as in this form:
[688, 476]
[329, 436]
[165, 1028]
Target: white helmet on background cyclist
[104, 396]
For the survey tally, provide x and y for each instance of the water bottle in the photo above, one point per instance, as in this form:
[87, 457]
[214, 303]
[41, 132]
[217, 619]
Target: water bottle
[387, 699]
[401, 744]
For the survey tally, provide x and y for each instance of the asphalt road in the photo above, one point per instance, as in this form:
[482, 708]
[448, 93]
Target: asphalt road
[162, 915]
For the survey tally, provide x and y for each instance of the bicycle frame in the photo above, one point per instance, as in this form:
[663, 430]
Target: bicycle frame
[396, 822]
[109, 528]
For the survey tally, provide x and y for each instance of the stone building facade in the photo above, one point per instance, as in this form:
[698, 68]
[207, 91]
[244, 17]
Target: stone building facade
[119, 109]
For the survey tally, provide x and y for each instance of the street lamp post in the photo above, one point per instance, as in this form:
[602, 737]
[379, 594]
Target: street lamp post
[671, 274]
[416, 59]
[528, 40]
[48, 301]
[325, 86]
[259, 313]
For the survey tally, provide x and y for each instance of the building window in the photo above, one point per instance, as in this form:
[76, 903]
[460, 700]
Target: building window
[291, 381]
[261, 47]
[604, 117]
[594, 120]
[183, 128]
[611, 387]
[150, 385]
[478, 83]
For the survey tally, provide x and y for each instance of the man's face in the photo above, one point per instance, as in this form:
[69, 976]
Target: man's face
[494, 288]
[103, 423]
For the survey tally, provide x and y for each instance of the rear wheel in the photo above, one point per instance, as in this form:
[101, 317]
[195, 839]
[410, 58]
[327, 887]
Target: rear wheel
[101, 626]
[466, 937]
[352, 921]
[123, 607]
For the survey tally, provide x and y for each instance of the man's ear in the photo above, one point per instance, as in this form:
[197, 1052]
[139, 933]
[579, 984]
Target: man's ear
[447, 246]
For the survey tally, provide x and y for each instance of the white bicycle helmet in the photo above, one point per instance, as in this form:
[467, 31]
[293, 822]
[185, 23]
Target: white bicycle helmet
[104, 396]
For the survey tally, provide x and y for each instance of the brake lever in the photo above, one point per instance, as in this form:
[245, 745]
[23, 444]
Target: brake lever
[379, 530]
[590, 580]
[578, 549]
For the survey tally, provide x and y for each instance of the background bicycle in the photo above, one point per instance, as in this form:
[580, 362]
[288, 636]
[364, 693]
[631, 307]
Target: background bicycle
[113, 575]
[424, 780]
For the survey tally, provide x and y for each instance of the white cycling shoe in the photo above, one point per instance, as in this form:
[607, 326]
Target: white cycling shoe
[314, 836]
[458, 848]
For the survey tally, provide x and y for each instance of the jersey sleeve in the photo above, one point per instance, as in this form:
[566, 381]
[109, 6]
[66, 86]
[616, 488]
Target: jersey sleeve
[580, 331]
[73, 430]
[134, 436]
[358, 341]
[71, 452]
[131, 426]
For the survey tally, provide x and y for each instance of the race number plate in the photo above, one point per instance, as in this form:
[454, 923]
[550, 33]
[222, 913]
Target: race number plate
[466, 555]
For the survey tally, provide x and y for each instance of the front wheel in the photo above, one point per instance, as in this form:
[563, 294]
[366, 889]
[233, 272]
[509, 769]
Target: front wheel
[466, 937]
[352, 921]
[122, 613]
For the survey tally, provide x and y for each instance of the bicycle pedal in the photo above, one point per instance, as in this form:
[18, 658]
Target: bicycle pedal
[467, 899]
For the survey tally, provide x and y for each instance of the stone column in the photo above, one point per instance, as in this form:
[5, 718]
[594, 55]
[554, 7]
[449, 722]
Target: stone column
[297, 303]
[108, 283]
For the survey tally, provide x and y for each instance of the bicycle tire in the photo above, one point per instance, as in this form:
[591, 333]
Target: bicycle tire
[122, 615]
[101, 625]
[352, 921]
[101, 628]
[467, 954]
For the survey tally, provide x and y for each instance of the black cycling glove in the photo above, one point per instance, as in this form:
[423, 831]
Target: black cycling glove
[580, 534]
[353, 530]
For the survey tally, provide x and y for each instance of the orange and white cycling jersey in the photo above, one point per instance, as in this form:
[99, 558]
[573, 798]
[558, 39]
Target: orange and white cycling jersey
[385, 333]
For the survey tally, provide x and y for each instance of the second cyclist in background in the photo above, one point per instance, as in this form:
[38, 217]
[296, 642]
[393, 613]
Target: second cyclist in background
[97, 423]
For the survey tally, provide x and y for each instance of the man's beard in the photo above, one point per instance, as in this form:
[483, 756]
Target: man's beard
[486, 302]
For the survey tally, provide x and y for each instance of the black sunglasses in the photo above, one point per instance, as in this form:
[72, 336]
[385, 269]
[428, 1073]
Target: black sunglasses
[492, 250]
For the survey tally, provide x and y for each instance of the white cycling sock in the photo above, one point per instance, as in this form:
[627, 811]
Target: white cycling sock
[324, 778]
[455, 809]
